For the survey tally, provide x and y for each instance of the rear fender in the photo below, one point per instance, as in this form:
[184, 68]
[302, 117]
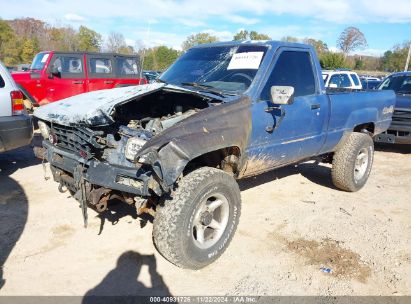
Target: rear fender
[361, 116]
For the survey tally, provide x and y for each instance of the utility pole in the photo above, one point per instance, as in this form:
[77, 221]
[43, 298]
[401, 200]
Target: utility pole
[144, 50]
[408, 59]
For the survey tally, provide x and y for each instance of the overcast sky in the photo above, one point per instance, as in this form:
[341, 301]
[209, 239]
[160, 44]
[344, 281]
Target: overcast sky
[168, 22]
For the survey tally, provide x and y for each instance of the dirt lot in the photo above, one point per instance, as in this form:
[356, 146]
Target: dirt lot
[293, 223]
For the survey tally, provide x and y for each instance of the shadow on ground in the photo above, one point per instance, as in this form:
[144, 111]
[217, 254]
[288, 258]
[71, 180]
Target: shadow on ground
[117, 209]
[18, 159]
[319, 174]
[13, 202]
[403, 149]
[123, 280]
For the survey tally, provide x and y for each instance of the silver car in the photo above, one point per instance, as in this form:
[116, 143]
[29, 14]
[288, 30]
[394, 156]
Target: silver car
[16, 127]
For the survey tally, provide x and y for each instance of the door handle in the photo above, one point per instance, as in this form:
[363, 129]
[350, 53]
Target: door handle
[78, 82]
[108, 82]
[315, 106]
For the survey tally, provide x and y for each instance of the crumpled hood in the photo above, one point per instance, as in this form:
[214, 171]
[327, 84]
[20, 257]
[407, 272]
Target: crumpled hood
[95, 108]
[92, 108]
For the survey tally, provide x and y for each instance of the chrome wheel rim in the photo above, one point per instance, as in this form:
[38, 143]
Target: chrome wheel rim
[361, 164]
[210, 221]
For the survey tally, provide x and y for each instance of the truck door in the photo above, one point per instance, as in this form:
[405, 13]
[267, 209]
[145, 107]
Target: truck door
[68, 78]
[100, 72]
[287, 133]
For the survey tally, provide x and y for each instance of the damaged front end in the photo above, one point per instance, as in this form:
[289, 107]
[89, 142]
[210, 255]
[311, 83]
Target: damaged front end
[136, 148]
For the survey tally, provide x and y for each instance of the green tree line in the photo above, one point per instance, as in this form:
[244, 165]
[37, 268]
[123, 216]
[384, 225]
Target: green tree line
[21, 39]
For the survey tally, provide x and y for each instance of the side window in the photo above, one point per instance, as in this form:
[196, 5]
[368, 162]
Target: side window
[100, 66]
[292, 69]
[127, 67]
[2, 84]
[335, 79]
[69, 66]
[355, 79]
[345, 81]
[406, 86]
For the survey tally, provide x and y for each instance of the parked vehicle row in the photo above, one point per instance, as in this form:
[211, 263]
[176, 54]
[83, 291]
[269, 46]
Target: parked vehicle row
[341, 79]
[370, 84]
[347, 79]
[55, 75]
[221, 112]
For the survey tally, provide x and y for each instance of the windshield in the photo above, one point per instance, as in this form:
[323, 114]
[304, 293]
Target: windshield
[400, 84]
[39, 61]
[226, 68]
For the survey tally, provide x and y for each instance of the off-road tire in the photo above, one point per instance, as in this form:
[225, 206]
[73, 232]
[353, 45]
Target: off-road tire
[173, 223]
[344, 161]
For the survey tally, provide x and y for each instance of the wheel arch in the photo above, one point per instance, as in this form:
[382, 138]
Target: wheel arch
[227, 159]
[172, 161]
[368, 128]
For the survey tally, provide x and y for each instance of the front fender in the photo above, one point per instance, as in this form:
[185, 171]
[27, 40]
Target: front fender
[214, 128]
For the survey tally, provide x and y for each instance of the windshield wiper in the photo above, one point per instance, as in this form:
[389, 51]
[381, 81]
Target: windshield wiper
[161, 80]
[206, 88]
[196, 84]
[403, 93]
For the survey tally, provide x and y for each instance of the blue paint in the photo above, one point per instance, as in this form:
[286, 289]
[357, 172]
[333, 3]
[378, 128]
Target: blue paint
[306, 132]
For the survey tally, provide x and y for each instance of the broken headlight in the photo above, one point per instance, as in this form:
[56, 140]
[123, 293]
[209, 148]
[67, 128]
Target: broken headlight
[133, 145]
[44, 129]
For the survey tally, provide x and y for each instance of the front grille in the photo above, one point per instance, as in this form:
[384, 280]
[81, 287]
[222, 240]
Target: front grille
[398, 133]
[402, 116]
[82, 141]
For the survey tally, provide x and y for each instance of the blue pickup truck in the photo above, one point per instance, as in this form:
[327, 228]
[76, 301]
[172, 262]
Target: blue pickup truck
[221, 112]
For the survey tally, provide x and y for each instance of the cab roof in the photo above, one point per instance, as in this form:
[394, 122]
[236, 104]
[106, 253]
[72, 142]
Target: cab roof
[408, 73]
[271, 43]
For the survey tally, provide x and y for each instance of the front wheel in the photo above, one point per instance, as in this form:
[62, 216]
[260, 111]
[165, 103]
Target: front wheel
[194, 226]
[352, 162]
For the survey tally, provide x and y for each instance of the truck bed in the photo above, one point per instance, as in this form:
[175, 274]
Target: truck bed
[376, 109]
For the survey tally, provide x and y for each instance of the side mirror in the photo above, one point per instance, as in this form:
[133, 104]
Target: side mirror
[333, 85]
[282, 95]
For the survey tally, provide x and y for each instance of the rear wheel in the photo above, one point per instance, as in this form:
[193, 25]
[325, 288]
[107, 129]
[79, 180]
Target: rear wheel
[194, 227]
[352, 162]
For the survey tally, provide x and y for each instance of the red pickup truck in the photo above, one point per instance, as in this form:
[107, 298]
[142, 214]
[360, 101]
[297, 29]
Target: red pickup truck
[57, 75]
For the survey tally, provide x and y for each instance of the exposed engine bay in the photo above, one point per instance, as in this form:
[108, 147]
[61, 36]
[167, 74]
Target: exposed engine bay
[138, 121]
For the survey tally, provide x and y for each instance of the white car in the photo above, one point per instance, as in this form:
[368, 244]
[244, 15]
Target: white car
[341, 79]
[16, 128]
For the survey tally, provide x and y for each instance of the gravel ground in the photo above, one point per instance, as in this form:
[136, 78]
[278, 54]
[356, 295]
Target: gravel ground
[294, 225]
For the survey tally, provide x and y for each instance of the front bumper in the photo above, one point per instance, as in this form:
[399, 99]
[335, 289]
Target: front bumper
[399, 131]
[66, 171]
[392, 136]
